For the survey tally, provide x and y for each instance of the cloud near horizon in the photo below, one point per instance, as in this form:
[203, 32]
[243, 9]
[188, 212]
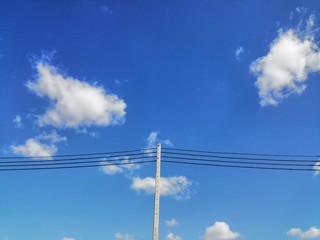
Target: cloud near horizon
[292, 56]
[74, 103]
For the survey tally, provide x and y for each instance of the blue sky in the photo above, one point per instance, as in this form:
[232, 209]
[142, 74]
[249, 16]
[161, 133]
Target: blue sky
[96, 76]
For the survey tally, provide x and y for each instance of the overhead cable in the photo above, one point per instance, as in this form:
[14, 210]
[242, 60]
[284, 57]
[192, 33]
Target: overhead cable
[238, 162]
[146, 150]
[239, 158]
[77, 158]
[240, 166]
[73, 167]
[243, 153]
[103, 160]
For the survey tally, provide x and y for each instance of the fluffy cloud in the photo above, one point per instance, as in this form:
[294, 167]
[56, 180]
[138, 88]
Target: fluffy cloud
[74, 103]
[18, 122]
[293, 55]
[171, 236]
[220, 231]
[34, 148]
[120, 236]
[153, 140]
[178, 187]
[313, 232]
[172, 222]
[41, 145]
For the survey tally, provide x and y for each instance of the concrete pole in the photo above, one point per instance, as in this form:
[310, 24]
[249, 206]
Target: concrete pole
[157, 196]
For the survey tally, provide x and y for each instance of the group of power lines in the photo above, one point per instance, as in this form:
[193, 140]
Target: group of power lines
[129, 158]
[262, 161]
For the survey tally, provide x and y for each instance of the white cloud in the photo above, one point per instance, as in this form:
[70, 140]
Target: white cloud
[293, 232]
[153, 139]
[53, 137]
[41, 145]
[111, 169]
[313, 232]
[68, 238]
[125, 236]
[74, 103]
[127, 168]
[238, 53]
[177, 187]
[130, 166]
[85, 131]
[34, 148]
[316, 168]
[172, 222]
[18, 122]
[220, 231]
[293, 55]
[171, 236]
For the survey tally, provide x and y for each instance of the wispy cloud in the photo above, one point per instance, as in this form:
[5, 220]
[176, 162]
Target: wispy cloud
[111, 169]
[86, 132]
[53, 137]
[153, 139]
[171, 236]
[238, 53]
[128, 168]
[293, 55]
[74, 103]
[313, 232]
[18, 122]
[220, 231]
[107, 10]
[123, 236]
[172, 222]
[177, 187]
[68, 238]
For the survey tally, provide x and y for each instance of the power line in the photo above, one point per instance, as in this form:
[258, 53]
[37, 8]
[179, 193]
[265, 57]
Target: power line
[240, 166]
[78, 158]
[239, 162]
[240, 158]
[80, 154]
[71, 167]
[170, 155]
[76, 162]
[243, 153]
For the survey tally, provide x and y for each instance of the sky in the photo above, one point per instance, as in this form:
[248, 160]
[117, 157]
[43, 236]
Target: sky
[101, 76]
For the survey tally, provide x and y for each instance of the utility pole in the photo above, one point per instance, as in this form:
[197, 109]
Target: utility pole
[157, 195]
